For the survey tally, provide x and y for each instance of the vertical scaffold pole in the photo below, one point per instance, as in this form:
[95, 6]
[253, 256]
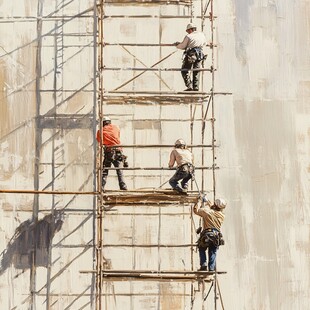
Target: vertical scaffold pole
[212, 99]
[100, 90]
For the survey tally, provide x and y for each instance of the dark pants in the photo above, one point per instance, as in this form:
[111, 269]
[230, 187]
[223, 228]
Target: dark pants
[115, 158]
[186, 75]
[183, 173]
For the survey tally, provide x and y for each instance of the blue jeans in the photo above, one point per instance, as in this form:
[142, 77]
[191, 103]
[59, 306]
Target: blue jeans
[212, 249]
[183, 173]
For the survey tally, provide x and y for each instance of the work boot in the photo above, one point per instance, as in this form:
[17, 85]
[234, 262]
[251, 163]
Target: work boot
[184, 186]
[123, 187]
[188, 89]
[179, 190]
[203, 268]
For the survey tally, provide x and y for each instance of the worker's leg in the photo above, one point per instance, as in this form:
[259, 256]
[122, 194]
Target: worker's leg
[120, 176]
[212, 257]
[185, 74]
[203, 258]
[184, 182]
[106, 164]
[179, 175]
[196, 74]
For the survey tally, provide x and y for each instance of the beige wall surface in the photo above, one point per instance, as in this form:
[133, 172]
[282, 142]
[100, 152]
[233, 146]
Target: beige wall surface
[47, 110]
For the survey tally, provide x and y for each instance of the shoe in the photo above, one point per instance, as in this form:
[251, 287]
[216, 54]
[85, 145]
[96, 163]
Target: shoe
[195, 89]
[188, 89]
[179, 190]
[123, 187]
[185, 186]
[203, 268]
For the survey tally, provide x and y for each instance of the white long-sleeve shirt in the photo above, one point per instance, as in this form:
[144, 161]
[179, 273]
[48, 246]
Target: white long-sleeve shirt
[194, 39]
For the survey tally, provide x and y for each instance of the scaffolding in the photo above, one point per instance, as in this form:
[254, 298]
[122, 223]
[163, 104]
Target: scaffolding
[203, 101]
[152, 202]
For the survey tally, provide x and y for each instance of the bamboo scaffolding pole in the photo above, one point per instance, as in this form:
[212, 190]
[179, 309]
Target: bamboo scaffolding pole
[146, 92]
[154, 69]
[149, 245]
[155, 272]
[145, 44]
[156, 168]
[152, 16]
[113, 294]
[99, 13]
[21, 191]
[143, 71]
[160, 145]
[178, 93]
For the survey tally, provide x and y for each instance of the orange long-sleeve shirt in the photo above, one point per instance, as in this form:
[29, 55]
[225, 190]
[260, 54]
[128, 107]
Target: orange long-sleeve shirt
[110, 135]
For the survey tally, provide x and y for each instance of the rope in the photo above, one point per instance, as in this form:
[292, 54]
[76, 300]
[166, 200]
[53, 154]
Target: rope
[163, 184]
[208, 292]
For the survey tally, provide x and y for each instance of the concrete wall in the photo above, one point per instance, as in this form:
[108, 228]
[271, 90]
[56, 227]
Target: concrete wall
[47, 142]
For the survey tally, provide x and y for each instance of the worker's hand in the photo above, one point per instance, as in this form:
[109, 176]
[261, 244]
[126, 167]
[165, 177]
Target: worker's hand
[205, 200]
[176, 43]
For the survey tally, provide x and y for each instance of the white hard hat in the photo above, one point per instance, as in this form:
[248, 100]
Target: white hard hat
[220, 203]
[190, 26]
[180, 142]
[106, 119]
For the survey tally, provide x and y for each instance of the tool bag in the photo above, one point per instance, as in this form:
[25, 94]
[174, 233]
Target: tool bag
[187, 168]
[194, 54]
[112, 154]
[209, 237]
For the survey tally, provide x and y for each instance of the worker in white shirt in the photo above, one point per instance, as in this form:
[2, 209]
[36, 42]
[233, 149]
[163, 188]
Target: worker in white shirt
[183, 157]
[192, 45]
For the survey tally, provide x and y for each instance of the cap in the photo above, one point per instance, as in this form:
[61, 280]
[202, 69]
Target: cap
[180, 142]
[190, 26]
[106, 119]
[220, 203]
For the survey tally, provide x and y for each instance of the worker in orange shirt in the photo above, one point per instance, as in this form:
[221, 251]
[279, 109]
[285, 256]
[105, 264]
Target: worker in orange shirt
[110, 137]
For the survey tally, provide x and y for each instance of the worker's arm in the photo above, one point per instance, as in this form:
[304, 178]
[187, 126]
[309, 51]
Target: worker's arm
[183, 45]
[195, 208]
[172, 159]
[98, 137]
[201, 210]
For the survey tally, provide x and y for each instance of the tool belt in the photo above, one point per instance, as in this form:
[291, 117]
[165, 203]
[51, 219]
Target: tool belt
[194, 54]
[187, 167]
[210, 237]
[114, 153]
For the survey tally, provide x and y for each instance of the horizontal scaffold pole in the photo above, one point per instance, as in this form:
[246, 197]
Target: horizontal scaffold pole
[146, 44]
[155, 168]
[154, 69]
[122, 275]
[184, 272]
[168, 93]
[46, 192]
[155, 16]
[160, 145]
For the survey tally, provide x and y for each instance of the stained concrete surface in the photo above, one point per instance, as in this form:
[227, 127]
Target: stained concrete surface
[263, 131]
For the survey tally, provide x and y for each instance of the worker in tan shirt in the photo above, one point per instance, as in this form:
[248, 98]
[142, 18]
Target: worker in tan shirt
[183, 157]
[210, 237]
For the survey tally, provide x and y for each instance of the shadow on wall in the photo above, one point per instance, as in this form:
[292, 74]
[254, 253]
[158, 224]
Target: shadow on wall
[31, 237]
